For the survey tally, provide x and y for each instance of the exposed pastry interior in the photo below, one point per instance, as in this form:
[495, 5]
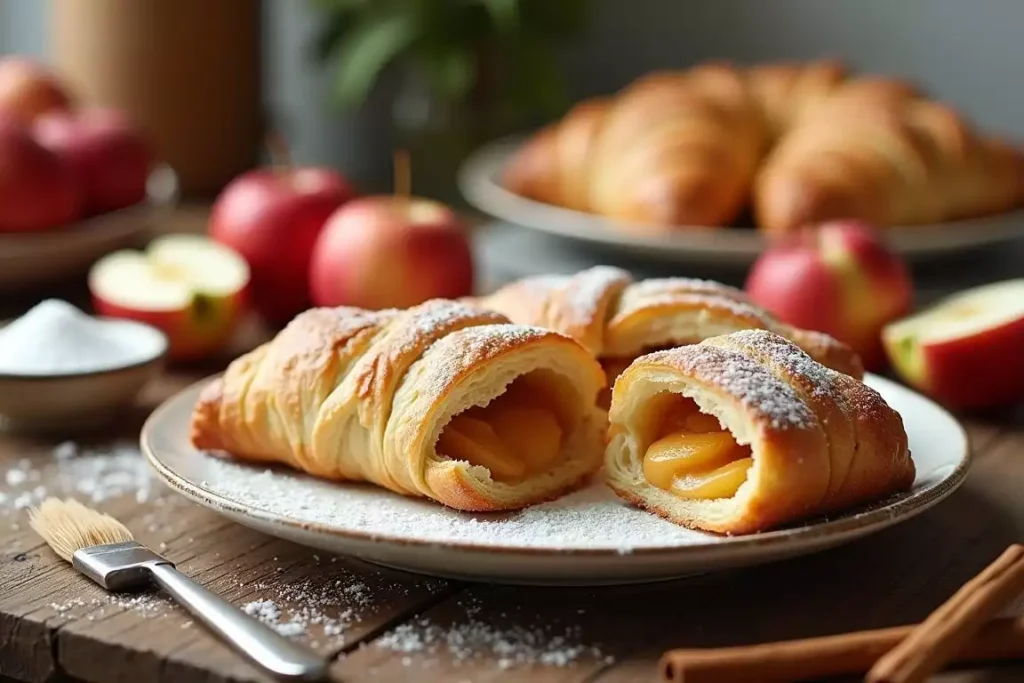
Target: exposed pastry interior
[688, 453]
[443, 401]
[519, 434]
[744, 432]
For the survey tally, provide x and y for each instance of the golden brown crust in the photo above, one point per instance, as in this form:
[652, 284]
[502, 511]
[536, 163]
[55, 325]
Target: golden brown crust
[617, 319]
[820, 440]
[802, 142]
[553, 166]
[348, 394]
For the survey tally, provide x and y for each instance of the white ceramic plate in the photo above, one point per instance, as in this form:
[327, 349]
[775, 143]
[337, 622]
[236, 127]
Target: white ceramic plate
[34, 258]
[478, 181]
[587, 538]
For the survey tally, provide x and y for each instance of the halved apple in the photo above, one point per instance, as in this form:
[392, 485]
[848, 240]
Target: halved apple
[188, 286]
[967, 351]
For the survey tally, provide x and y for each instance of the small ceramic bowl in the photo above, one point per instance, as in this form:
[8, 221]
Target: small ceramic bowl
[81, 400]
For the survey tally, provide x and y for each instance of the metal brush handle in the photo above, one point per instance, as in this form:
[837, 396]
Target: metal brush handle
[251, 637]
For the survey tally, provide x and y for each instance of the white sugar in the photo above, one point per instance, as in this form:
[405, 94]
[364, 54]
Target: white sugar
[790, 356]
[744, 379]
[91, 475]
[473, 638]
[55, 338]
[265, 610]
[589, 519]
[333, 605]
[578, 295]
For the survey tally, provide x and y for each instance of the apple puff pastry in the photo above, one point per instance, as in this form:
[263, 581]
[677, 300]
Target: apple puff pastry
[443, 401]
[618, 319]
[744, 432]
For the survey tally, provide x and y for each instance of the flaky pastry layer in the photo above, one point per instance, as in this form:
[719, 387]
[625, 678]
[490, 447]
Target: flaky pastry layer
[354, 395]
[615, 317]
[820, 440]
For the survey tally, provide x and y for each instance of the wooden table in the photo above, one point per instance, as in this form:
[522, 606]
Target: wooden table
[383, 625]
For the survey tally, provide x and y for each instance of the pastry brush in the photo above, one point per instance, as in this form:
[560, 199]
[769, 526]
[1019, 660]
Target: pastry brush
[102, 548]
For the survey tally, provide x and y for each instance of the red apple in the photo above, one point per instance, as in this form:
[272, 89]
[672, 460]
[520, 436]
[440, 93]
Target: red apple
[272, 217]
[188, 286]
[108, 153]
[28, 89]
[38, 189]
[838, 278]
[966, 350]
[387, 251]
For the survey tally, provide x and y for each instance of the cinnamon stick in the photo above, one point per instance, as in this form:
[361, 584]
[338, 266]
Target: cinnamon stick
[946, 630]
[816, 658]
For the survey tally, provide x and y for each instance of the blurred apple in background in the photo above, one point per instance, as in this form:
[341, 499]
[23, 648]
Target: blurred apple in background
[967, 350]
[38, 189]
[188, 286]
[838, 278]
[110, 156]
[29, 89]
[391, 251]
[272, 217]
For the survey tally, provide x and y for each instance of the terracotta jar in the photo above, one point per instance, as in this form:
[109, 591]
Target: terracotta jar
[187, 71]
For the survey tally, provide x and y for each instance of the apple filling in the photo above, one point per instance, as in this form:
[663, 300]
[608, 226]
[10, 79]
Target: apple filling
[691, 455]
[517, 435]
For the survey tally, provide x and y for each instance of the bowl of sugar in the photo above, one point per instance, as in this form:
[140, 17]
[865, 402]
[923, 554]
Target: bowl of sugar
[62, 369]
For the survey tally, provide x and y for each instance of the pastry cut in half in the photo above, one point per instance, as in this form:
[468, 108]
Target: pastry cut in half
[442, 401]
[745, 432]
[618, 319]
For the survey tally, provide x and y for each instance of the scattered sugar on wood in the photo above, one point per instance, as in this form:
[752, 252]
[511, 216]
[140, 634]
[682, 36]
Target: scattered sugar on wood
[147, 605]
[475, 637]
[93, 475]
[296, 608]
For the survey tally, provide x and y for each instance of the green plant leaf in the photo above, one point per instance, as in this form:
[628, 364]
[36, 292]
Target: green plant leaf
[327, 37]
[504, 13]
[453, 71]
[367, 49]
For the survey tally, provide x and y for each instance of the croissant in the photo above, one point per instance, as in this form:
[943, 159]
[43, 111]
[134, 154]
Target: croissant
[796, 143]
[617, 319]
[677, 149]
[552, 167]
[876, 150]
[442, 401]
[745, 432]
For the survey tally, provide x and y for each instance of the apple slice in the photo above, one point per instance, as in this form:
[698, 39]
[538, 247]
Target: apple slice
[188, 286]
[966, 350]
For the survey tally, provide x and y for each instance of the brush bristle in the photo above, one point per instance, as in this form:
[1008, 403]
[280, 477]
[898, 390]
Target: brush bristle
[68, 526]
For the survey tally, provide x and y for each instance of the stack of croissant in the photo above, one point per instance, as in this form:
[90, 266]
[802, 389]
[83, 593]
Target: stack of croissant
[795, 144]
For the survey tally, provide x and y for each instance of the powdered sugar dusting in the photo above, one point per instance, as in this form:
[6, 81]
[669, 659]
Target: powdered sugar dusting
[592, 518]
[89, 474]
[587, 289]
[743, 378]
[790, 356]
[475, 636]
[685, 285]
[425, 320]
[329, 606]
[579, 295]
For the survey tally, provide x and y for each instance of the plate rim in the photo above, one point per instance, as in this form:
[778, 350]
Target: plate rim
[876, 518]
[475, 182]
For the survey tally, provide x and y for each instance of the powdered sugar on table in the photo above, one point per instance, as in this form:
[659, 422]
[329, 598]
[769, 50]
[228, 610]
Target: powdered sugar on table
[592, 518]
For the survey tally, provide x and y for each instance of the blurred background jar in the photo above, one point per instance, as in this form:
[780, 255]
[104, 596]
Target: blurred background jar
[188, 72]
